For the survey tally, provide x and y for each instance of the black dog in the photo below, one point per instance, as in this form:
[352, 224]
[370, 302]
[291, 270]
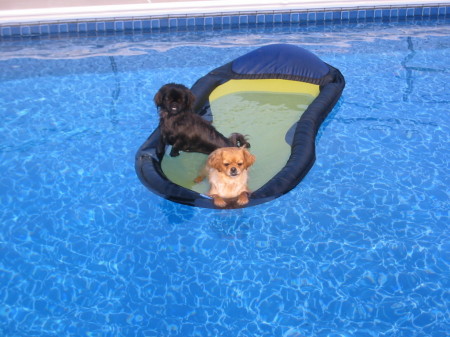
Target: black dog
[185, 130]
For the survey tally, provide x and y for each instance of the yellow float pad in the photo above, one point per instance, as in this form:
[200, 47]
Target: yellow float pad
[267, 85]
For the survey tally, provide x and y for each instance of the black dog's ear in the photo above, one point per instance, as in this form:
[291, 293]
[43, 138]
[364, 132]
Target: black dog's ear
[158, 99]
[190, 98]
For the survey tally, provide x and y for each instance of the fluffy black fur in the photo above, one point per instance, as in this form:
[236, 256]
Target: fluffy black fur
[185, 130]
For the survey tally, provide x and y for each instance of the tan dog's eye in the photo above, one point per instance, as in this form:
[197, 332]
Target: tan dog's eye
[240, 164]
[226, 164]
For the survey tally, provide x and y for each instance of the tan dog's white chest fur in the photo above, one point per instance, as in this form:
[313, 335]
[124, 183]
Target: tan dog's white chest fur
[225, 186]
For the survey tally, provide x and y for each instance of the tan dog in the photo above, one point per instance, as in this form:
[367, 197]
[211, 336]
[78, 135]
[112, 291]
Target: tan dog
[227, 171]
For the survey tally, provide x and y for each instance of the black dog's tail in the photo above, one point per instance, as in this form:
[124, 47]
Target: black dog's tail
[239, 140]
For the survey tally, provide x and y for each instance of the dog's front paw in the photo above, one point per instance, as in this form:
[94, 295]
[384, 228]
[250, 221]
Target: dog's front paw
[174, 153]
[219, 202]
[242, 199]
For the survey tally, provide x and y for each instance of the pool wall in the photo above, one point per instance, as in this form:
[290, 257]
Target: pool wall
[220, 20]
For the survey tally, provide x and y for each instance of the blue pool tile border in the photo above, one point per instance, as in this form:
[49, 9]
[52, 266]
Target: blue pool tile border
[220, 20]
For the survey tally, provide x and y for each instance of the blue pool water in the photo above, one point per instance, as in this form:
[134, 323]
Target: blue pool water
[361, 247]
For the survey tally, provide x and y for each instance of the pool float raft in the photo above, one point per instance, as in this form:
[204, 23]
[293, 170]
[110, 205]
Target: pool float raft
[278, 95]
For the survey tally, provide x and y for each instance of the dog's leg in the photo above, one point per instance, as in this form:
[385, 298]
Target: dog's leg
[242, 199]
[218, 201]
[177, 147]
[174, 152]
[199, 179]
[161, 147]
[202, 175]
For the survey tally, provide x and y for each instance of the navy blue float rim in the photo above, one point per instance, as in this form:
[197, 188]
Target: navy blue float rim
[270, 63]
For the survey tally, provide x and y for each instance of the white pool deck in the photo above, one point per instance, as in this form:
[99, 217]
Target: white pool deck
[39, 11]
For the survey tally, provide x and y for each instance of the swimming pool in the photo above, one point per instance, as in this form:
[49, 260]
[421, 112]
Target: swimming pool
[359, 248]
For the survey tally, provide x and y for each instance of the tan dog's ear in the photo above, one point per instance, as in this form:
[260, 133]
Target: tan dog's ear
[249, 159]
[215, 160]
